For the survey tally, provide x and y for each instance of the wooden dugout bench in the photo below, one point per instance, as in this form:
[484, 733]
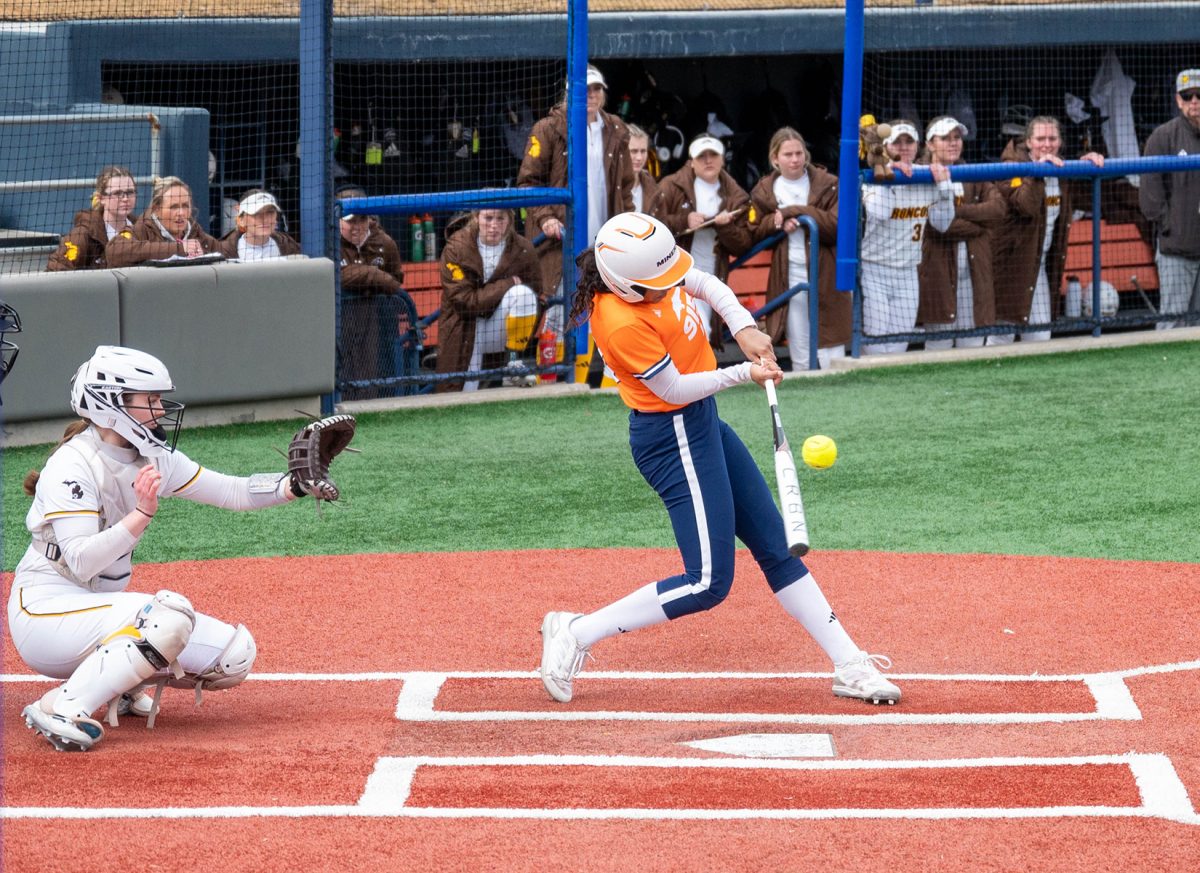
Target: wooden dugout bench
[1126, 260]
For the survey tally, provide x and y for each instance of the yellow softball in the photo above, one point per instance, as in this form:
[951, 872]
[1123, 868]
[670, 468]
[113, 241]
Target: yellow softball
[819, 452]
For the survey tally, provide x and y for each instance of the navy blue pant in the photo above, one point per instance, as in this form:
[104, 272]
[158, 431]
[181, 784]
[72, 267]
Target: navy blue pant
[713, 492]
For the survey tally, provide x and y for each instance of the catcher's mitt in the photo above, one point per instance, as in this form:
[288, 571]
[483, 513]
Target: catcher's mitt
[312, 449]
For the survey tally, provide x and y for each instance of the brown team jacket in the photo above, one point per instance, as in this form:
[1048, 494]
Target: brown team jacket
[835, 310]
[374, 267]
[545, 166]
[676, 199]
[466, 298]
[977, 216]
[649, 188]
[148, 241]
[83, 247]
[287, 245]
[1018, 243]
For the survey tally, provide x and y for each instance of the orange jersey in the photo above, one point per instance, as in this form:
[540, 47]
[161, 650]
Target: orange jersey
[638, 339]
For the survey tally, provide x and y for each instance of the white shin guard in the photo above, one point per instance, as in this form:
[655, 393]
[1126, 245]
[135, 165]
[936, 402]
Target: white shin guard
[129, 657]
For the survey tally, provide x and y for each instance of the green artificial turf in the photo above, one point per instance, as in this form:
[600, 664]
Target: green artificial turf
[1092, 454]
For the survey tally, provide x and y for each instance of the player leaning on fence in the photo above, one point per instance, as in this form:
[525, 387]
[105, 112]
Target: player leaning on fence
[956, 264]
[113, 200]
[167, 229]
[1172, 202]
[896, 219]
[1031, 244]
[797, 187]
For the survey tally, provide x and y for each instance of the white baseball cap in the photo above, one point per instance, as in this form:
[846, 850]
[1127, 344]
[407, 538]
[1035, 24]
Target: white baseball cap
[705, 143]
[942, 126]
[900, 128]
[595, 77]
[256, 203]
[1187, 81]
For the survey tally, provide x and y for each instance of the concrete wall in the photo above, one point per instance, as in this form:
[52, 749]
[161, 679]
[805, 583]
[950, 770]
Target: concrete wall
[229, 333]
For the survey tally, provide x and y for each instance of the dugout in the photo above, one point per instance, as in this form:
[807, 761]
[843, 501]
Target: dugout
[415, 75]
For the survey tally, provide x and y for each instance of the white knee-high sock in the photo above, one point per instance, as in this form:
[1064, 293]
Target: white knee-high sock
[804, 602]
[632, 612]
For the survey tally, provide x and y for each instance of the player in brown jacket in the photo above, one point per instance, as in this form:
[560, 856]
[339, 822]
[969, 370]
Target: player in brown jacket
[372, 282]
[256, 237]
[545, 165]
[491, 290]
[645, 186]
[1031, 245]
[113, 201]
[167, 229]
[953, 298]
[699, 192]
[790, 159]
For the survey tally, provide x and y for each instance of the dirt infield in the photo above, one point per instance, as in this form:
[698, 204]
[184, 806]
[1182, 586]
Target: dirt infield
[1049, 722]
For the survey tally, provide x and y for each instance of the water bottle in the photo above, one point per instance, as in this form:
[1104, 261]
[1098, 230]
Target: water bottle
[1074, 297]
[430, 237]
[547, 344]
[417, 237]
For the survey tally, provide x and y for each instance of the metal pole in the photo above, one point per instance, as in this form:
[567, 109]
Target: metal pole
[848, 185]
[576, 235]
[316, 123]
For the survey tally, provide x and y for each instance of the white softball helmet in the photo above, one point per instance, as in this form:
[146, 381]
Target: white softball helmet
[98, 392]
[636, 253]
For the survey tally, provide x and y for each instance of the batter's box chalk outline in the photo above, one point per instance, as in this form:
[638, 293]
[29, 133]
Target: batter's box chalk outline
[1113, 701]
[1162, 794]
[387, 789]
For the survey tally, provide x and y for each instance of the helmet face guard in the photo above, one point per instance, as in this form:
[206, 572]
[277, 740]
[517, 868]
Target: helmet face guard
[101, 389]
[636, 253]
[10, 322]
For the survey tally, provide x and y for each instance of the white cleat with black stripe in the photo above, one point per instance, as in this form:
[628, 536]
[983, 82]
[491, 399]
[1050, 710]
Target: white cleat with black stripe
[860, 678]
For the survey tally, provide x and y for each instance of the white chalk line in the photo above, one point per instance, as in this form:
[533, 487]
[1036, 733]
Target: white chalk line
[1162, 794]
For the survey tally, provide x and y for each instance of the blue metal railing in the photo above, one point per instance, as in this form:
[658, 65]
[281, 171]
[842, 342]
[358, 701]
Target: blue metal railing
[811, 284]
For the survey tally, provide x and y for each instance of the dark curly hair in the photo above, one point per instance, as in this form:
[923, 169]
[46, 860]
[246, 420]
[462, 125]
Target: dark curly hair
[587, 285]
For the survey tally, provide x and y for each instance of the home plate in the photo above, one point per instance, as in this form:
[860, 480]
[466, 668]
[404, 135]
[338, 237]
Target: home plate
[769, 745]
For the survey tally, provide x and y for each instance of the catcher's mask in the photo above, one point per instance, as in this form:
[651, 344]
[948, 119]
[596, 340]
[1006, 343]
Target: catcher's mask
[99, 392]
[10, 322]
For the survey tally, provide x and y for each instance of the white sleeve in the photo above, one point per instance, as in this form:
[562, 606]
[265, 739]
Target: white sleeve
[239, 493]
[941, 210]
[877, 200]
[720, 297]
[677, 389]
[86, 549]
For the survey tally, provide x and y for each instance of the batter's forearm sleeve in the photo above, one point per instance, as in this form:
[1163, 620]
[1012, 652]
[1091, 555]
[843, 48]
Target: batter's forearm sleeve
[679, 389]
[718, 295]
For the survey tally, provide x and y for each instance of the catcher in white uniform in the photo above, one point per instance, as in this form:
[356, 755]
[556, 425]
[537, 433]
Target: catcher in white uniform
[69, 613]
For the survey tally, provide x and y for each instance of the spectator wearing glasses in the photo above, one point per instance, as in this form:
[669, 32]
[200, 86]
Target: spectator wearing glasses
[1172, 202]
[167, 229]
[113, 200]
[257, 236]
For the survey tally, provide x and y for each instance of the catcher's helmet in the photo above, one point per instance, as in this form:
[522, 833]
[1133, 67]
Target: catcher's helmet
[98, 392]
[10, 322]
[636, 253]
